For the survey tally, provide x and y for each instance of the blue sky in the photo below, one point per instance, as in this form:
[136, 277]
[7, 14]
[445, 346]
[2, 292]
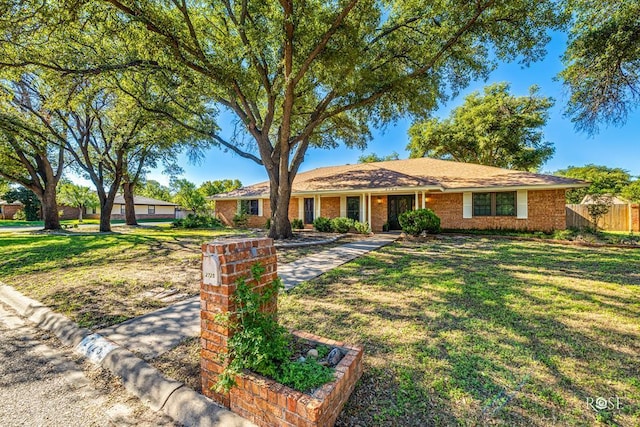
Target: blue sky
[614, 147]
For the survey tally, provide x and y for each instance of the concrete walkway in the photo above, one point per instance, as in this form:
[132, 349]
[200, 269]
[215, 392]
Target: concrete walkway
[158, 332]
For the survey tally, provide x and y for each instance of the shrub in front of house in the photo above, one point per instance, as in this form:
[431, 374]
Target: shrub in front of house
[322, 225]
[342, 225]
[240, 220]
[362, 227]
[419, 221]
[20, 215]
[197, 221]
[297, 224]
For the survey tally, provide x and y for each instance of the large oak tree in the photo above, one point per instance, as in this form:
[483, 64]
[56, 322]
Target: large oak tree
[311, 73]
[494, 128]
[602, 62]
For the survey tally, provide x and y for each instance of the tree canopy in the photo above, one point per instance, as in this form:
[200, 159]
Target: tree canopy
[604, 181]
[602, 62]
[77, 196]
[210, 188]
[494, 128]
[373, 157]
[294, 74]
[632, 191]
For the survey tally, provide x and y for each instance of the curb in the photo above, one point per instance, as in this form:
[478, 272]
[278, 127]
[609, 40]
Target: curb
[175, 399]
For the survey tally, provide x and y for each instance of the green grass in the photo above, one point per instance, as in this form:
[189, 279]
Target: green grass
[586, 236]
[472, 331]
[100, 279]
[16, 223]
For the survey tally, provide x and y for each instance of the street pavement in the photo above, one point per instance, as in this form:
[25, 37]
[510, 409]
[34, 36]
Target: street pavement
[42, 385]
[11, 229]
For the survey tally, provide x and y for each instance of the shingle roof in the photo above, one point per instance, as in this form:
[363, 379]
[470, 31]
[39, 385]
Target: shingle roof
[15, 203]
[140, 200]
[423, 172]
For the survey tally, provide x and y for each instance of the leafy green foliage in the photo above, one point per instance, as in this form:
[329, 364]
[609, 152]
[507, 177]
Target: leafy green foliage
[305, 376]
[342, 225]
[197, 221]
[314, 75]
[210, 188]
[603, 179]
[494, 129]
[602, 62]
[362, 227]
[77, 196]
[297, 224]
[240, 220]
[188, 196]
[419, 221]
[20, 215]
[323, 224]
[155, 190]
[261, 345]
[632, 191]
[373, 157]
[28, 199]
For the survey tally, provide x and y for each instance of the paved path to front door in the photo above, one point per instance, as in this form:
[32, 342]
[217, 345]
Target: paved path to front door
[158, 332]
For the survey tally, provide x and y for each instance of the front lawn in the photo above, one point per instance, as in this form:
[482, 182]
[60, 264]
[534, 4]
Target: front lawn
[472, 331]
[100, 279]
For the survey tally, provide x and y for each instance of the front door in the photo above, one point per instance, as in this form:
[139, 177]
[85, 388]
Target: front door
[398, 205]
[308, 210]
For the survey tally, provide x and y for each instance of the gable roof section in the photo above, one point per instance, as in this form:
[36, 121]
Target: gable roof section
[423, 173]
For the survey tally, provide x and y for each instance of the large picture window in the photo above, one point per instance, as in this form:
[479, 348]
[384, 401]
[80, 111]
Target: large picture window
[494, 204]
[250, 207]
[353, 208]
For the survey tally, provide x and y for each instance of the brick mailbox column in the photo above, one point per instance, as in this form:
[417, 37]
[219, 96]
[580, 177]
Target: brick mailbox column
[225, 262]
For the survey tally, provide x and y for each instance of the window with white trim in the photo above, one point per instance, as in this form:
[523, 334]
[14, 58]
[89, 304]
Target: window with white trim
[151, 210]
[250, 207]
[495, 204]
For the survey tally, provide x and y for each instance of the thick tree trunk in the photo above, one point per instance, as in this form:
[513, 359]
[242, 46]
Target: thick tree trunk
[280, 225]
[80, 209]
[50, 209]
[129, 205]
[106, 206]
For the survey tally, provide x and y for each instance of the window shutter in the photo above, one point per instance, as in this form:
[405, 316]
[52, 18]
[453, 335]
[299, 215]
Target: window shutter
[343, 206]
[300, 207]
[239, 207]
[260, 207]
[522, 204]
[467, 205]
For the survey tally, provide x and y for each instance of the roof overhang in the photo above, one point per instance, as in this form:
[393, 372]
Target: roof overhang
[404, 190]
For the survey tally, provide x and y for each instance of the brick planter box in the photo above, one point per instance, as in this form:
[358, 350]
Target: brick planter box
[268, 403]
[259, 399]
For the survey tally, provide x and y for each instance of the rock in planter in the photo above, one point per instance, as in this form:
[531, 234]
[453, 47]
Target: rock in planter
[334, 357]
[313, 353]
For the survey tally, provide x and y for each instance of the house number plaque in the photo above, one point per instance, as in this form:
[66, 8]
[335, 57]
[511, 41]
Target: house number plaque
[210, 269]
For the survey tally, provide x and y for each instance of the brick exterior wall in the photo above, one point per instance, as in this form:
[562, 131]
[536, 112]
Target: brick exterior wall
[330, 207]
[379, 213]
[8, 211]
[259, 399]
[68, 212]
[546, 212]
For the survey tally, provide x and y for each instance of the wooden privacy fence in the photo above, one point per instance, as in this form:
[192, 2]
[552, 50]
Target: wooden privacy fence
[619, 218]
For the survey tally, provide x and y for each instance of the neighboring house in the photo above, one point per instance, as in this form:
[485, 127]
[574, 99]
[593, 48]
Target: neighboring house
[146, 208]
[615, 200]
[463, 195]
[8, 210]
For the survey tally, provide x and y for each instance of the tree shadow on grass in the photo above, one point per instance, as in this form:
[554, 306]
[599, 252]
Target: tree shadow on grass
[483, 343]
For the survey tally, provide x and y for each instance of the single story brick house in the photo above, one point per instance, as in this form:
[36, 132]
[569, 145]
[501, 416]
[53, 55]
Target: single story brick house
[146, 208]
[463, 195]
[8, 210]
